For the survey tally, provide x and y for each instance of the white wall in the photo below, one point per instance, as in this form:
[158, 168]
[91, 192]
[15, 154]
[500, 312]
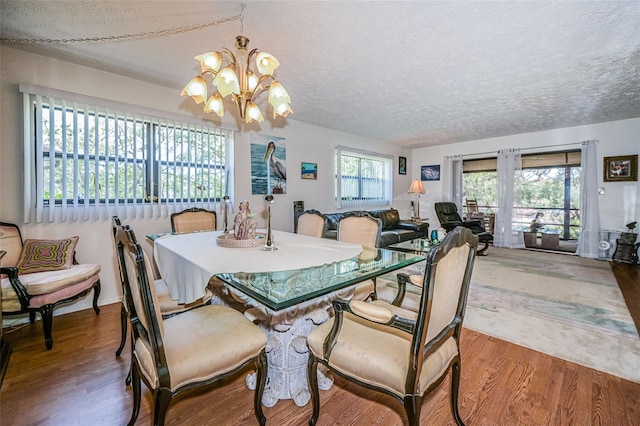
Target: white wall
[620, 203]
[304, 143]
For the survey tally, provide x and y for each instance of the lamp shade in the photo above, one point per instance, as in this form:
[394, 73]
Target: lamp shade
[416, 187]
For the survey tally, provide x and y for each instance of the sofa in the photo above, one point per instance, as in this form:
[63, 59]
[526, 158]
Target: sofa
[394, 230]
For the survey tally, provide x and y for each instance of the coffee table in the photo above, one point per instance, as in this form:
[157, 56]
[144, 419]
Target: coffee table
[417, 246]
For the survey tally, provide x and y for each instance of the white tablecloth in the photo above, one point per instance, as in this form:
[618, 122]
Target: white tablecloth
[186, 262]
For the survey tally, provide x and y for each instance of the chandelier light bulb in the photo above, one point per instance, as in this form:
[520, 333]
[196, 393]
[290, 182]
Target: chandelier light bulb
[266, 63]
[197, 89]
[210, 61]
[253, 113]
[215, 104]
[227, 82]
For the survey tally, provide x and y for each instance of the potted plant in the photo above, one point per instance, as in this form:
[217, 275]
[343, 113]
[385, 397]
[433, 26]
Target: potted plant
[531, 237]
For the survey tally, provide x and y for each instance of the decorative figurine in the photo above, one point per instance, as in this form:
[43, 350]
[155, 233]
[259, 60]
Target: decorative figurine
[244, 225]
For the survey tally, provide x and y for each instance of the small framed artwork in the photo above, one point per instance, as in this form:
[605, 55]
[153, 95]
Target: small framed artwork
[623, 168]
[430, 172]
[309, 171]
[402, 165]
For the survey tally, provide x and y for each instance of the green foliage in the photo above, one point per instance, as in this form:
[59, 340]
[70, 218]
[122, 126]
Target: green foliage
[109, 158]
[542, 188]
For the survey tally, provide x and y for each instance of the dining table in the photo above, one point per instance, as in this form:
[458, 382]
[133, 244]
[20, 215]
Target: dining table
[287, 291]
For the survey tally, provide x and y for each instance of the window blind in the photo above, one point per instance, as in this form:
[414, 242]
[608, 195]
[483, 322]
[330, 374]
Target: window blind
[89, 162]
[363, 180]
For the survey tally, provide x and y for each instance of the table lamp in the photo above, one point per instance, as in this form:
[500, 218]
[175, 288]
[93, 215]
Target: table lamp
[416, 188]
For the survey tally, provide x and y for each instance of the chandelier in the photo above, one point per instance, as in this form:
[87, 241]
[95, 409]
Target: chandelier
[234, 75]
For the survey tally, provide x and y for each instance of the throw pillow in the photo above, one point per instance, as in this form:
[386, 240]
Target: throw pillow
[46, 255]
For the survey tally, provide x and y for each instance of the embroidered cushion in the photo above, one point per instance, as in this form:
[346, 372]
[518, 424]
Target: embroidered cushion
[46, 255]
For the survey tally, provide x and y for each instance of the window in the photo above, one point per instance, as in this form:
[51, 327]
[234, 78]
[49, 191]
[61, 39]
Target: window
[89, 161]
[363, 180]
[550, 184]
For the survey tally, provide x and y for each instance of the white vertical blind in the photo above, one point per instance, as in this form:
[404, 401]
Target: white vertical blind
[363, 179]
[89, 162]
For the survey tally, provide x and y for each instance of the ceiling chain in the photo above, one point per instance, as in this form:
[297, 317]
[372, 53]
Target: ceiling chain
[123, 37]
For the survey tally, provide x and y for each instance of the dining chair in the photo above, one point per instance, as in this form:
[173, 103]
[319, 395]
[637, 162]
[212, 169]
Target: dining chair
[168, 306]
[396, 351]
[38, 275]
[193, 220]
[364, 229]
[194, 349]
[311, 223]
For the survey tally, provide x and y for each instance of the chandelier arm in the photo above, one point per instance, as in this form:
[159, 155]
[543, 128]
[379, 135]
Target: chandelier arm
[254, 95]
[233, 57]
[253, 52]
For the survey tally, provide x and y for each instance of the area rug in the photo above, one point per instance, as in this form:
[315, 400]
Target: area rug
[562, 305]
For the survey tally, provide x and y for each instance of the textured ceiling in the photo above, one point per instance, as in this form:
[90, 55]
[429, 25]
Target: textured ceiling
[411, 73]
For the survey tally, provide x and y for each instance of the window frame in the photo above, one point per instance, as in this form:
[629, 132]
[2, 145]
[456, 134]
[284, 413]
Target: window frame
[362, 200]
[125, 140]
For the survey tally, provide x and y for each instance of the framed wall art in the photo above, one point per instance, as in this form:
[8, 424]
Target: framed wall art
[268, 164]
[309, 171]
[623, 168]
[430, 172]
[402, 165]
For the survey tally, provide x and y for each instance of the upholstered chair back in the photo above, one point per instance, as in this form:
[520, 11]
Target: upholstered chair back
[137, 271]
[193, 220]
[11, 242]
[363, 229]
[311, 223]
[448, 215]
[447, 282]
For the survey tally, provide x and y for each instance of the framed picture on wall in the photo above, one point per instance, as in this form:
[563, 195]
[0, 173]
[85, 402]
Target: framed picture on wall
[430, 172]
[309, 171]
[623, 168]
[402, 165]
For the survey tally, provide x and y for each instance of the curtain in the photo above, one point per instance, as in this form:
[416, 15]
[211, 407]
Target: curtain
[452, 176]
[508, 171]
[589, 211]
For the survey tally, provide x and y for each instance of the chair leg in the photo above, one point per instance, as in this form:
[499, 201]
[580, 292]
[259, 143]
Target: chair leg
[123, 329]
[46, 312]
[455, 386]
[128, 380]
[135, 382]
[312, 374]
[162, 397]
[412, 406]
[263, 367]
[96, 294]
[481, 252]
[32, 316]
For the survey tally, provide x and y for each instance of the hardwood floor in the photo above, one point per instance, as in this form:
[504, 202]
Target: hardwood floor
[81, 382]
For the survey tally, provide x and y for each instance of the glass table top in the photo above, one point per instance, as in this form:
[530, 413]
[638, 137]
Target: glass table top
[283, 289]
[419, 246]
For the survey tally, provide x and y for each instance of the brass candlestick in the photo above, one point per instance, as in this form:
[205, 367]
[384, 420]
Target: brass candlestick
[268, 200]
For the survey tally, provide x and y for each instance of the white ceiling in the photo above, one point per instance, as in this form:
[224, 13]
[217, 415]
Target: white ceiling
[412, 73]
